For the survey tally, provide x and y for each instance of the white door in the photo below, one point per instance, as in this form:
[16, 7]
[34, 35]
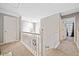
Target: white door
[9, 29]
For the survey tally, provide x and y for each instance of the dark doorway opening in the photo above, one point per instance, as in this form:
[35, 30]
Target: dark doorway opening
[72, 35]
[72, 31]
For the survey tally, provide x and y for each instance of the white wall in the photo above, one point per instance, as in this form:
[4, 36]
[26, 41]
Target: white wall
[62, 30]
[1, 32]
[77, 23]
[50, 33]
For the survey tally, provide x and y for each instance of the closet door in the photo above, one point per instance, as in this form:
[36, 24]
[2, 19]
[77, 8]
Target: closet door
[10, 29]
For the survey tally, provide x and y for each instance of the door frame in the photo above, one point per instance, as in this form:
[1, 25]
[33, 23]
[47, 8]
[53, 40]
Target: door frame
[4, 29]
[75, 27]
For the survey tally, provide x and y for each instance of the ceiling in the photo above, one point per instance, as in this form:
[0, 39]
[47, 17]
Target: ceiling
[37, 10]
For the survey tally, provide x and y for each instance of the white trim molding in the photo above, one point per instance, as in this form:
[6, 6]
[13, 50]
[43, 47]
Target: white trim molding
[57, 45]
[77, 45]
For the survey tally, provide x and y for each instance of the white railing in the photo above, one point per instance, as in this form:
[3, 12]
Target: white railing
[34, 41]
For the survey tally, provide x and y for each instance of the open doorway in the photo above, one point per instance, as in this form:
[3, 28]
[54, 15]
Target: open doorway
[70, 28]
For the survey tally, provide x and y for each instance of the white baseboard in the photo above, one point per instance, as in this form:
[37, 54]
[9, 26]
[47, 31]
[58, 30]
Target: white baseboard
[77, 46]
[29, 48]
[8, 42]
[57, 45]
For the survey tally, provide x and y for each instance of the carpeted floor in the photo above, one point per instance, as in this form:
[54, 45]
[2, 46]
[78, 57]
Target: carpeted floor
[17, 49]
[66, 48]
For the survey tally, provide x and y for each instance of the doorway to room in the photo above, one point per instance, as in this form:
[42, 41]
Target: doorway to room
[70, 28]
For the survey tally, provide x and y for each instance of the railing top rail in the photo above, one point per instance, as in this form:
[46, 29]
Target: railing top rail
[31, 33]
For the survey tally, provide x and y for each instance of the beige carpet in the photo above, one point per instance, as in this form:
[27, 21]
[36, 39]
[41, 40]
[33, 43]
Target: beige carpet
[17, 49]
[66, 48]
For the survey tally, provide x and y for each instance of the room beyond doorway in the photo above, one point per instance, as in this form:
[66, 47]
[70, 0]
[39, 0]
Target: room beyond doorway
[70, 28]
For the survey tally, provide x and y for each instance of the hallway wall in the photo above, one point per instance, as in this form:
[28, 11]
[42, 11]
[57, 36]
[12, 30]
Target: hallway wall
[1, 33]
[77, 21]
[62, 30]
[50, 31]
